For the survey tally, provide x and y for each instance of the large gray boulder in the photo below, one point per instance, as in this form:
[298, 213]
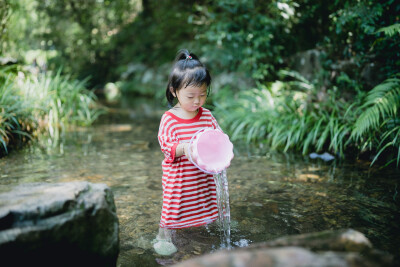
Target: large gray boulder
[58, 224]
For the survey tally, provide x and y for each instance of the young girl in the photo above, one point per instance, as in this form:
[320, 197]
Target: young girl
[189, 194]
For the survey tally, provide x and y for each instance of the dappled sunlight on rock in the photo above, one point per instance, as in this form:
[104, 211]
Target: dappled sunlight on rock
[308, 177]
[322, 194]
[117, 128]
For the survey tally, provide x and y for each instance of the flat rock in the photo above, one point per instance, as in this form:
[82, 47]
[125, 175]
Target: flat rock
[347, 248]
[58, 224]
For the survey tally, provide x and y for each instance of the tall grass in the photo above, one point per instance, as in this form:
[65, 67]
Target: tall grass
[45, 103]
[287, 119]
[290, 116]
[60, 101]
[15, 118]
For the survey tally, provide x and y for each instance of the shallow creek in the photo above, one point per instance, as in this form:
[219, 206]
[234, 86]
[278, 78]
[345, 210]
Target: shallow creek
[271, 195]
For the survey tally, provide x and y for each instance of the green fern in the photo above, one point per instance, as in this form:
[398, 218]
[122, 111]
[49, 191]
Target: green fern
[390, 30]
[382, 102]
[378, 127]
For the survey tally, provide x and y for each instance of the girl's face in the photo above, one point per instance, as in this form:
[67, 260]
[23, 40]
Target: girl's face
[192, 97]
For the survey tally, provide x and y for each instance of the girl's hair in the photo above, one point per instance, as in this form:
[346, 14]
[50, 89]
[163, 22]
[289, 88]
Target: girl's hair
[187, 70]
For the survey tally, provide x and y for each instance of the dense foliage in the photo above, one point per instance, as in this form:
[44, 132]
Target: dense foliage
[344, 99]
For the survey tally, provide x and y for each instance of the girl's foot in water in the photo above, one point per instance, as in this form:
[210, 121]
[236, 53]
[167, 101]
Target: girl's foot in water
[163, 243]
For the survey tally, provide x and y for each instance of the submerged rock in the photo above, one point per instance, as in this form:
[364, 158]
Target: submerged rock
[61, 224]
[328, 248]
[325, 156]
[339, 240]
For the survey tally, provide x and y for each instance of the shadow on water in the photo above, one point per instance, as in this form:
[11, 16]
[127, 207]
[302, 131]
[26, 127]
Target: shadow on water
[271, 195]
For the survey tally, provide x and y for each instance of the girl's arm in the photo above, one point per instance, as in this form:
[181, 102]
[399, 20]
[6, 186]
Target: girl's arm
[167, 139]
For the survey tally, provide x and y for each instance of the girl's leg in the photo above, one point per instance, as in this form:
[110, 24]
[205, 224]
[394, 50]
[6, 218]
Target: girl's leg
[164, 234]
[163, 243]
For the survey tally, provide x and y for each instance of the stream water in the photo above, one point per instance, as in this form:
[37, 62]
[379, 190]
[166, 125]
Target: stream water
[271, 195]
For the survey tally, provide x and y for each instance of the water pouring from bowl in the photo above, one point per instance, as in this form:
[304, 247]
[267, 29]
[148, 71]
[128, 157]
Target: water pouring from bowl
[211, 151]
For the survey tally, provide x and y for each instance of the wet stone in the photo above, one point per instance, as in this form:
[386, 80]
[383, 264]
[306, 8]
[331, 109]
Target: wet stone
[329, 248]
[63, 224]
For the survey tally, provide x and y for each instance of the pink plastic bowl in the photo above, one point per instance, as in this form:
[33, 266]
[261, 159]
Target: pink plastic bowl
[212, 151]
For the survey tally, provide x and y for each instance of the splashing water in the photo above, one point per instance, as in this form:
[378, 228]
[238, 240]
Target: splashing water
[221, 182]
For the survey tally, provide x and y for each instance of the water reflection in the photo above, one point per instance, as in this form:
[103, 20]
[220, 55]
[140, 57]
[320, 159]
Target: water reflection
[271, 195]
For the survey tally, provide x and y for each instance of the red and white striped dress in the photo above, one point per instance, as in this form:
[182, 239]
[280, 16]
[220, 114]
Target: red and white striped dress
[189, 195]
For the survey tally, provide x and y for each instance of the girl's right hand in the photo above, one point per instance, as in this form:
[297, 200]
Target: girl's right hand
[187, 149]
